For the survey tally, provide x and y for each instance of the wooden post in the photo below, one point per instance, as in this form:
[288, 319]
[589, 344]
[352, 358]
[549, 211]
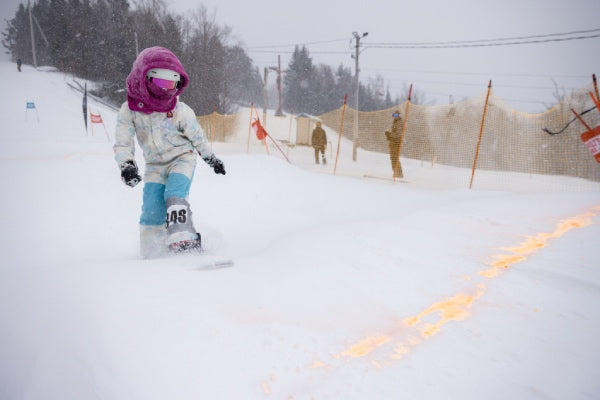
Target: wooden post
[595, 100]
[212, 126]
[290, 135]
[106, 131]
[596, 87]
[581, 120]
[337, 154]
[250, 127]
[487, 99]
[264, 140]
[278, 148]
[402, 132]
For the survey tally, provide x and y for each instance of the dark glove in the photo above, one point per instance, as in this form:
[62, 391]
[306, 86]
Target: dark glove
[215, 164]
[129, 173]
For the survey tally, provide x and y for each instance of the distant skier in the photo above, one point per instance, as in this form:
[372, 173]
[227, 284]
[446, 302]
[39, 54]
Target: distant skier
[393, 138]
[169, 134]
[319, 142]
[19, 62]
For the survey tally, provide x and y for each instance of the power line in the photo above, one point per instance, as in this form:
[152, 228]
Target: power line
[502, 41]
[484, 45]
[488, 40]
[506, 41]
[473, 44]
[291, 52]
[298, 44]
[487, 74]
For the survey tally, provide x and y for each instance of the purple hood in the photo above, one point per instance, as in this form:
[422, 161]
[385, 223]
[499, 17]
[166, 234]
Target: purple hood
[138, 96]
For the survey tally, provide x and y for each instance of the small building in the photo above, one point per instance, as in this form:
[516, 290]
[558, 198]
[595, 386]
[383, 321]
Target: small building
[305, 124]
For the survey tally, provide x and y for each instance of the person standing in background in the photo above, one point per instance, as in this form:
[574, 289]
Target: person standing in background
[319, 142]
[393, 137]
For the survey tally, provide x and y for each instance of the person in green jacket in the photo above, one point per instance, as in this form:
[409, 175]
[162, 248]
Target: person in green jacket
[319, 142]
[393, 137]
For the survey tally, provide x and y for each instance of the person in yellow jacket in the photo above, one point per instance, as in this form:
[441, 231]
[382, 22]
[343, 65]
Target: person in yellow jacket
[319, 142]
[393, 138]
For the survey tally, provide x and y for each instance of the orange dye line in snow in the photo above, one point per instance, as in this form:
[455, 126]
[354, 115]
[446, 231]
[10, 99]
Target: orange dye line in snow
[533, 244]
[383, 349]
[414, 330]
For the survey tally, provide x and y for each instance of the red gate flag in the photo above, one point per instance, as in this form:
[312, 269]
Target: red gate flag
[96, 119]
[258, 129]
[592, 139]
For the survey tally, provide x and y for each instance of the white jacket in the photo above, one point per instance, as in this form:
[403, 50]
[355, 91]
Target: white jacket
[162, 139]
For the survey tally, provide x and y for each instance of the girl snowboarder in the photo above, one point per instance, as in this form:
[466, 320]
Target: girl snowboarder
[169, 134]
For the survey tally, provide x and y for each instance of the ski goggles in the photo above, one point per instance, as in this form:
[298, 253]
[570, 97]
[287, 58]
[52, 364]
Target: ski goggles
[396, 115]
[165, 84]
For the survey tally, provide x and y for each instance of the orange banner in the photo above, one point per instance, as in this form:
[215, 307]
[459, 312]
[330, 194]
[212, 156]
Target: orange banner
[592, 139]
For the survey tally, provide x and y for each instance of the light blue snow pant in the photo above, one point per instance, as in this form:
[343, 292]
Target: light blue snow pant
[166, 216]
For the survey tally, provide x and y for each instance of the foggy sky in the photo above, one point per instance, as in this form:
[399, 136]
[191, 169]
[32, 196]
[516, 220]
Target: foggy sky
[523, 75]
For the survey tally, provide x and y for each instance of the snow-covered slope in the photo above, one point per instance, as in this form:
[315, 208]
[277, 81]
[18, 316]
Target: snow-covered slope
[342, 288]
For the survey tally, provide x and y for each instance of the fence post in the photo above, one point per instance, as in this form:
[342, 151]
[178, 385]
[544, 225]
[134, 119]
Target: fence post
[264, 138]
[595, 86]
[250, 127]
[595, 100]
[290, 135]
[337, 154]
[402, 133]
[212, 126]
[485, 107]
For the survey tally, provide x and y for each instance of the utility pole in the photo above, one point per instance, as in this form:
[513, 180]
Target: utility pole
[277, 69]
[357, 37]
[279, 112]
[266, 74]
[32, 35]
[41, 31]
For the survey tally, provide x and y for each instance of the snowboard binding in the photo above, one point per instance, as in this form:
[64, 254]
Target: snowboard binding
[187, 246]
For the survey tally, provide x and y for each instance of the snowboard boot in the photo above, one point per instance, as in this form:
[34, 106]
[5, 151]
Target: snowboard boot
[186, 246]
[182, 237]
[153, 240]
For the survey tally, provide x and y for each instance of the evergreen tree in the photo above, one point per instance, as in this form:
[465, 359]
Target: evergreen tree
[299, 83]
[205, 58]
[344, 85]
[40, 20]
[149, 23]
[65, 41]
[243, 82]
[96, 40]
[173, 38]
[388, 99]
[113, 47]
[326, 98]
[16, 38]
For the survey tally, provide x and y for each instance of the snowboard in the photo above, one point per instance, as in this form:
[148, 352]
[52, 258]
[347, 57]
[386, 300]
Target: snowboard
[207, 262]
[206, 258]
